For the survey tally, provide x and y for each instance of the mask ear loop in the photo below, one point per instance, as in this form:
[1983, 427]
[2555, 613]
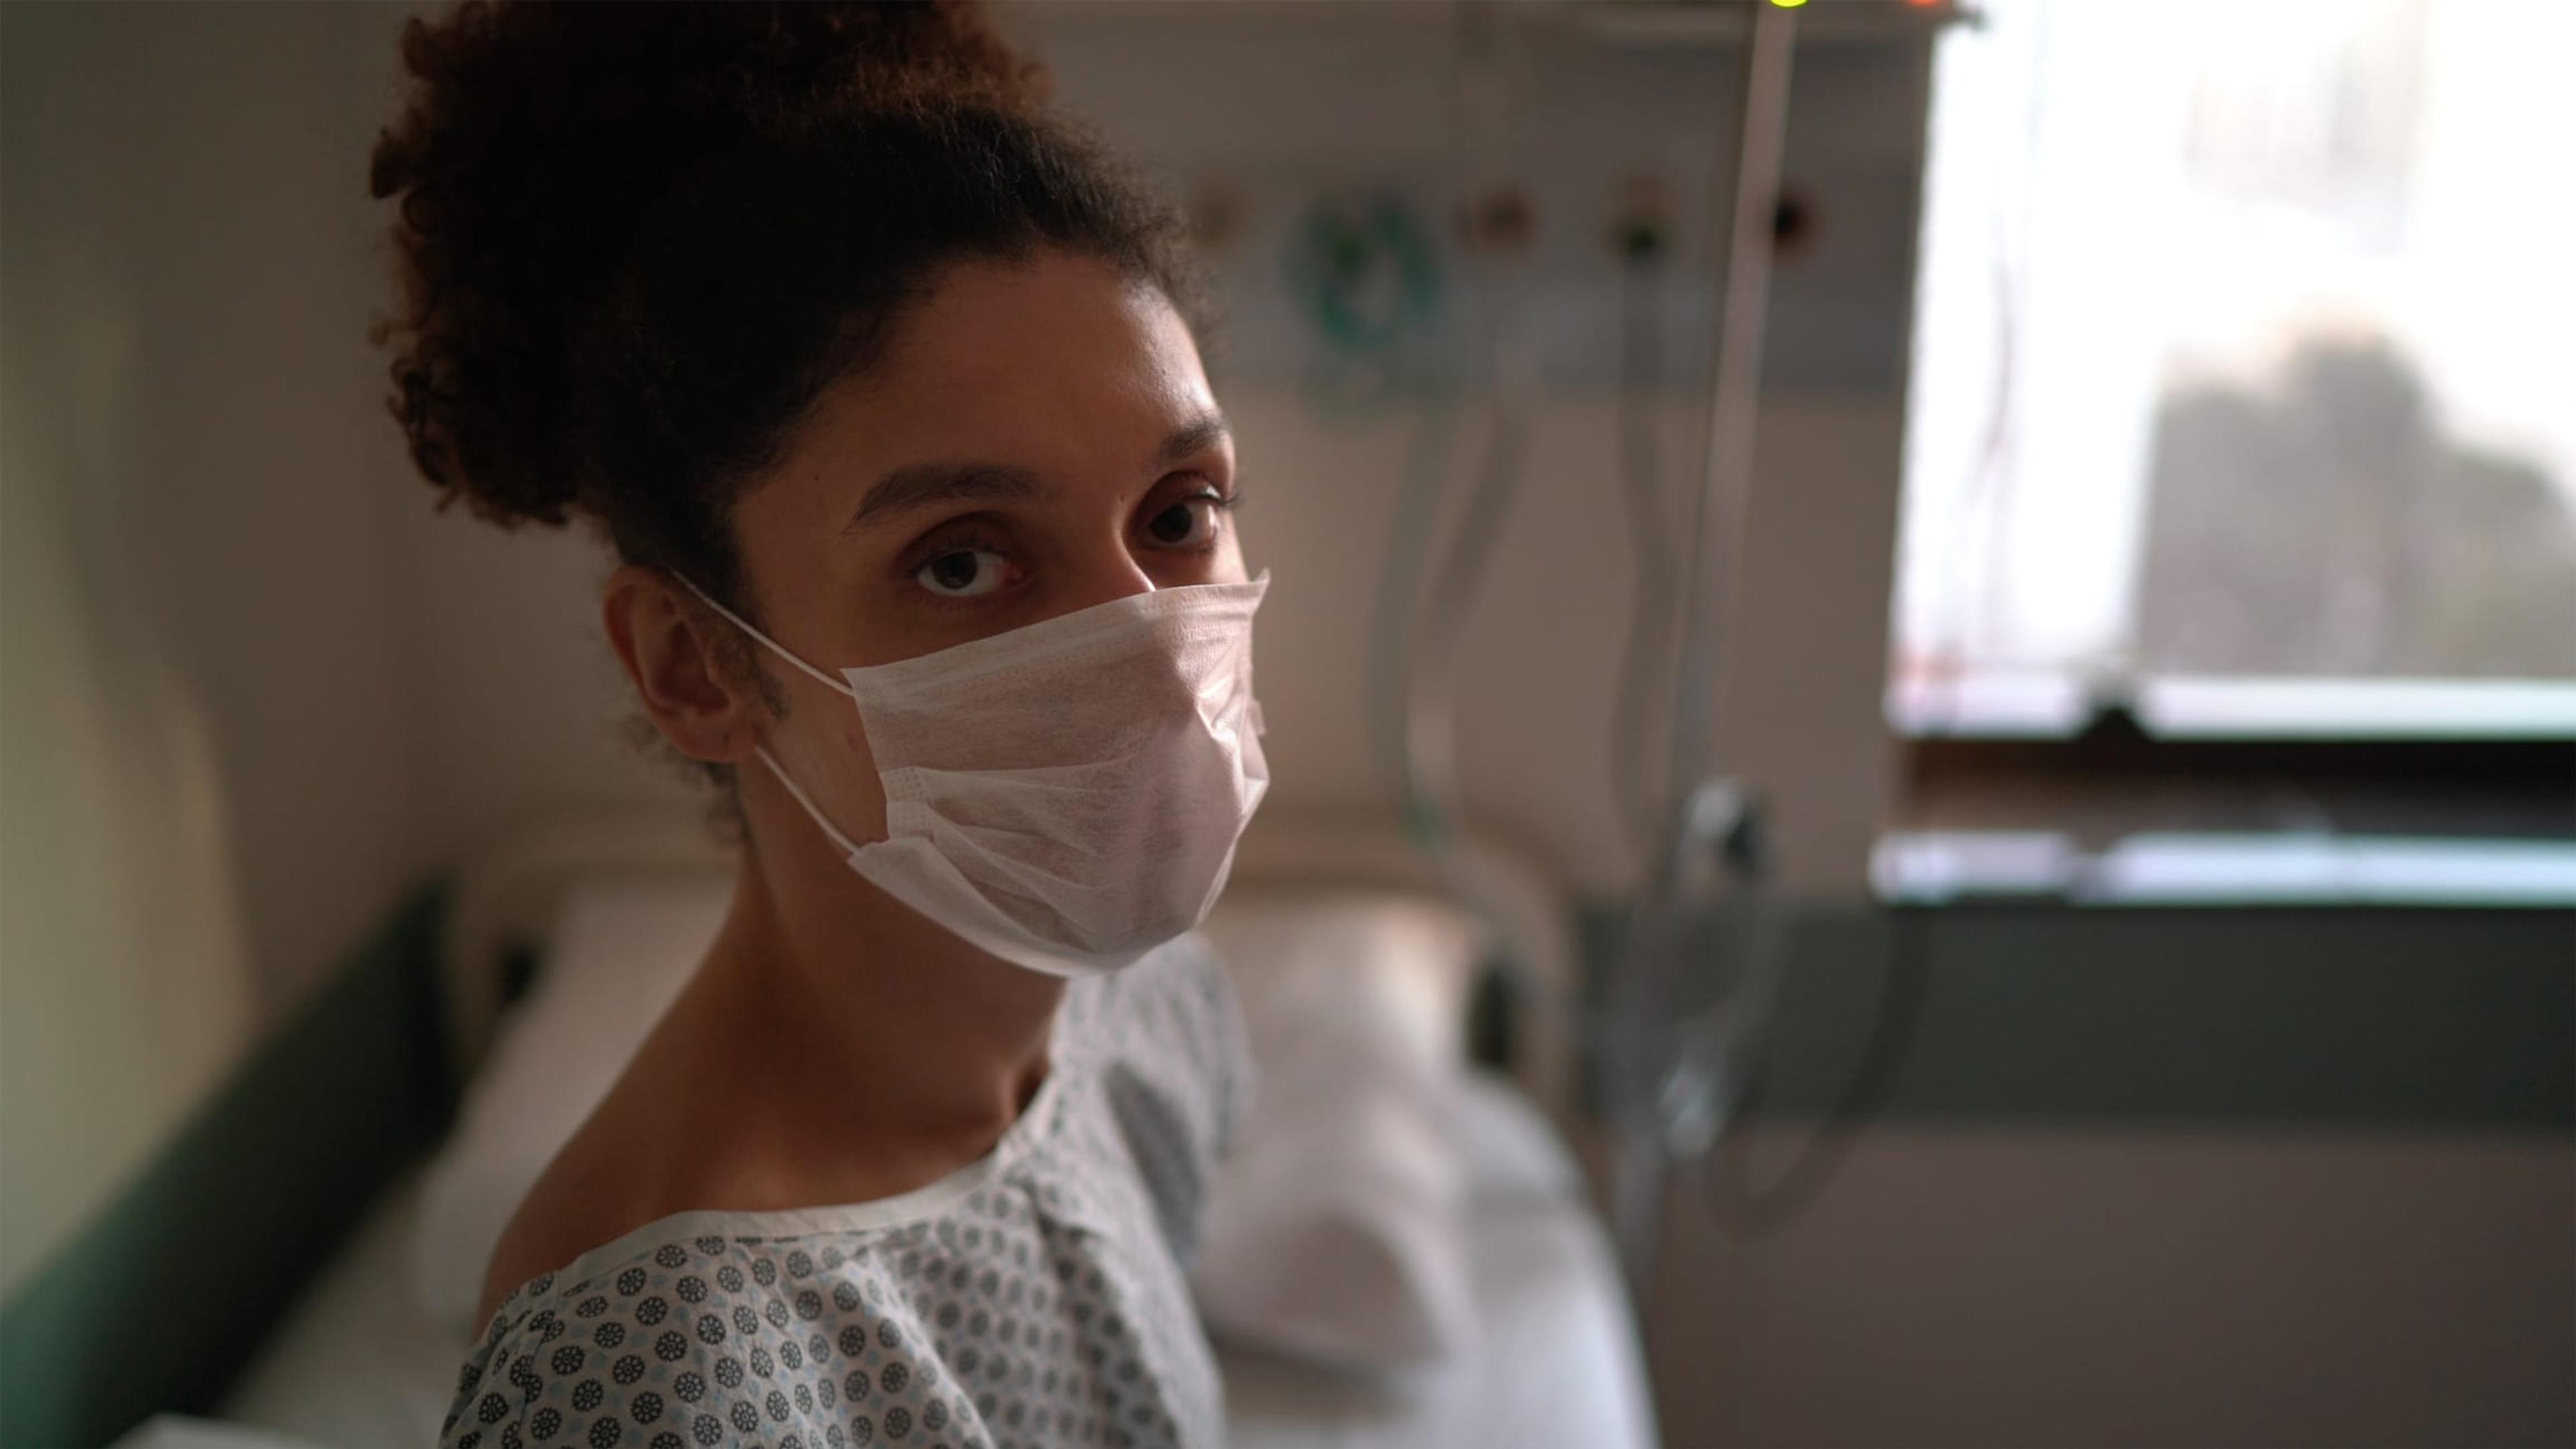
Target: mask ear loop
[848, 851]
[782, 651]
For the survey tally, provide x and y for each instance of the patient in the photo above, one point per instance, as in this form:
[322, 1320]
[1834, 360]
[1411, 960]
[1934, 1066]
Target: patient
[882, 385]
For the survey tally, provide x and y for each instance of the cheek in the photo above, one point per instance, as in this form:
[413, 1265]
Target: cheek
[836, 766]
[861, 796]
[1229, 559]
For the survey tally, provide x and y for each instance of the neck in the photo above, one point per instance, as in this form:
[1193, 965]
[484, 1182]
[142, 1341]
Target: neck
[870, 1024]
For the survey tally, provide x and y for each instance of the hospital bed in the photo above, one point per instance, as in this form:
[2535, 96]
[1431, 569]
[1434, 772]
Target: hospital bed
[1530, 1337]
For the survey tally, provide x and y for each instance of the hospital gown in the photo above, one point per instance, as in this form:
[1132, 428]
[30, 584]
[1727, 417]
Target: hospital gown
[1034, 1298]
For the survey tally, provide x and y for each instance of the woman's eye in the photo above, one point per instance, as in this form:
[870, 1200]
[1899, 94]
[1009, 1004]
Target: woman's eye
[1190, 523]
[964, 573]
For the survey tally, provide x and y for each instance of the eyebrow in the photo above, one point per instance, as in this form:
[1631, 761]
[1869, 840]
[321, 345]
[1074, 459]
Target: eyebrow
[919, 485]
[1204, 431]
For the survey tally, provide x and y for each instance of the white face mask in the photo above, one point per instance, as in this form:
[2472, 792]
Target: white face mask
[1067, 795]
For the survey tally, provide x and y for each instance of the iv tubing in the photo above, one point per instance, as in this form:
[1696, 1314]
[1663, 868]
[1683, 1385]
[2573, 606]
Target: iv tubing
[1714, 568]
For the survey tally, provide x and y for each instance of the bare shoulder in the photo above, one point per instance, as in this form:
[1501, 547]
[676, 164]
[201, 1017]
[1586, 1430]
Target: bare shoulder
[617, 1173]
[578, 1203]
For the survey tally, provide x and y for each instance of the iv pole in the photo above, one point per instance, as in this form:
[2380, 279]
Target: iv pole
[1708, 818]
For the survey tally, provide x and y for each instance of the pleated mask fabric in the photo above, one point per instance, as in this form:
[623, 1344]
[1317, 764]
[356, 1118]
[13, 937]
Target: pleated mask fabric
[1067, 795]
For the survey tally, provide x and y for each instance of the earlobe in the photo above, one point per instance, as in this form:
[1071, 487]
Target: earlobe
[668, 645]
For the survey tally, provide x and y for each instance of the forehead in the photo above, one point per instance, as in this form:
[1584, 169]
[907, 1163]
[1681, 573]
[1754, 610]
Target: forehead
[1044, 363]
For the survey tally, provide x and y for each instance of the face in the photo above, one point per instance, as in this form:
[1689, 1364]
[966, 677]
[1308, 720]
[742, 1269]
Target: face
[1039, 438]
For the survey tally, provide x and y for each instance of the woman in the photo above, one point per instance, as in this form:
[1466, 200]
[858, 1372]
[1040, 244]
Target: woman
[881, 384]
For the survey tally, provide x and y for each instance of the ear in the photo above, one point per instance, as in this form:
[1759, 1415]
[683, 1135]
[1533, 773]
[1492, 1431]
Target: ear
[679, 658]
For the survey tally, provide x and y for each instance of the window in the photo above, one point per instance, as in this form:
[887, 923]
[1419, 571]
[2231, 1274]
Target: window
[2244, 396]
[2238, 553]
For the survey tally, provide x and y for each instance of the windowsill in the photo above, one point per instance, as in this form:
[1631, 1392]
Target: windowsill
[2056, 705]
[1937, 867]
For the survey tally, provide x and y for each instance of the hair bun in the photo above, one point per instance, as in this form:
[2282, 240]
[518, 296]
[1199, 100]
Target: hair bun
[538, 136]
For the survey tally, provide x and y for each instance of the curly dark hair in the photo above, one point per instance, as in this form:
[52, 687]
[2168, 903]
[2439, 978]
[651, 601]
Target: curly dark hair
[637, 241]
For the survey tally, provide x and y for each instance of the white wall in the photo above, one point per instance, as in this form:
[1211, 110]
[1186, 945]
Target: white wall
[1538, 665]
[209, 714]
[1994, 1289]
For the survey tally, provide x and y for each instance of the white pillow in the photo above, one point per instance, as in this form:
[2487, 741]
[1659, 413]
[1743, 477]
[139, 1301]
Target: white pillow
[1336, 1227]
[621, 949]
[187, 1431]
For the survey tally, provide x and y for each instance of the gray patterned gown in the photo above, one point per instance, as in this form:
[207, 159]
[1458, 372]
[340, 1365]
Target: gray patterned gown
[1033, 1298]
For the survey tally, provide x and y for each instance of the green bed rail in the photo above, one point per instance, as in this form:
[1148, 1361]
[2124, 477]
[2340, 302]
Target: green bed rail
[165, 1297]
